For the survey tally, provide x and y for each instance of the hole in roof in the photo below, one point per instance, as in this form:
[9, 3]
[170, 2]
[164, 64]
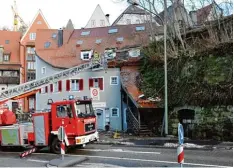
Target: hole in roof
[85, 33]
[120, 39]
[140, 28]
[113, 31]
[47, 44]
[79, 42]
[54, 35]
[98, 41]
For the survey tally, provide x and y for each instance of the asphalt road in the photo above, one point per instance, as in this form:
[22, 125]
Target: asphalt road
[120, 156]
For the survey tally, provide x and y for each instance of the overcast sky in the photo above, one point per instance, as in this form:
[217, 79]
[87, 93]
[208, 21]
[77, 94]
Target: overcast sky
[58, 12]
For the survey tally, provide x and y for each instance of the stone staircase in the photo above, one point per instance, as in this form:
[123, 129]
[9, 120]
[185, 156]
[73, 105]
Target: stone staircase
[144, 130]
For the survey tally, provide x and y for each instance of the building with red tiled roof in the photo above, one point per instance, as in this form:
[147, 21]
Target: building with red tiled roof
[10, 66]
[27, 54]
[61, 49]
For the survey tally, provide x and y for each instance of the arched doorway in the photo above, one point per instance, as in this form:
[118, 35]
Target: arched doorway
[100, 118]
[186, 117]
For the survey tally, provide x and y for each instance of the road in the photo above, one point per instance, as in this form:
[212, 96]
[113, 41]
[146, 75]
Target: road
[120, 156]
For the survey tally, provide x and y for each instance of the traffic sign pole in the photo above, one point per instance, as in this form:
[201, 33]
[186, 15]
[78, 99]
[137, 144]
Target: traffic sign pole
[180, 149]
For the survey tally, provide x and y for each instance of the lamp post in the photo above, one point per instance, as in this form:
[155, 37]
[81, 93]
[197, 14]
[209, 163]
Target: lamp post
[132, 2]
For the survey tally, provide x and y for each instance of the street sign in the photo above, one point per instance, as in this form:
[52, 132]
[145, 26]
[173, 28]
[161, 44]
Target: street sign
[180, 134]
[61, 133]
[95, 93]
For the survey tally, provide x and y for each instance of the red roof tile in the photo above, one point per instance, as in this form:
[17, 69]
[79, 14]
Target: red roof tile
[13, 47]
[69, 54]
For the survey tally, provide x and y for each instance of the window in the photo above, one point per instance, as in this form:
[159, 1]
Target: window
[79, 42]
[85, 33]
[6, 57]
[102, 23]
[96, 82]
[134, 52]
[44, 90]
[39, 22]
[31, 65]
[32, 36]
[30, 57]
[120, 39]
[110, 53]
[64, 111]
[31, 76]
[43, 70]
[10, 73]
[140, 28]
[115, 112]
[54, 35]
[98, 41]
[47, 44]
[93, 23]
[114, 80]
[85, 55]
[128, 21]
[7, 41]
[111, 31]
[57, 87]
[30, 50]
[76, 84]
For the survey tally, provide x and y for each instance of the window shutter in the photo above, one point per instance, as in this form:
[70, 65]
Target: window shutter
[59, 86]
[68, 85]
[51, 88]
[46, 89]
[90, 83]
[81, 84]
[100, 83]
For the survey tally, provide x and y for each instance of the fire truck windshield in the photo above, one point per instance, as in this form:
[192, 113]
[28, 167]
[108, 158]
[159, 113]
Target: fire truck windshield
[84, 110]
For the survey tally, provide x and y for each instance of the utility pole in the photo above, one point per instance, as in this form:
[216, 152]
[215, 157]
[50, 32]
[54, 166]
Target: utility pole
[165, 69]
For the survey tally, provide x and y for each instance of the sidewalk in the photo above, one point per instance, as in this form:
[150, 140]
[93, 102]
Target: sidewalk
[106, 138]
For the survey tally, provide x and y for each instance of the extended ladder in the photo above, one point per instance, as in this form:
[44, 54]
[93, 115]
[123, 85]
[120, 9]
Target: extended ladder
[37, 84]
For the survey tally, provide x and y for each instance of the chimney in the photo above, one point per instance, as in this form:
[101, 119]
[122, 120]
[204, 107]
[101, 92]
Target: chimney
[60, 37]
[193, 16]
[107, 17]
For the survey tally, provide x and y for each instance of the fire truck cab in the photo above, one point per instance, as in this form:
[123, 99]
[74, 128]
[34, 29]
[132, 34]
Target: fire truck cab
[76, 116]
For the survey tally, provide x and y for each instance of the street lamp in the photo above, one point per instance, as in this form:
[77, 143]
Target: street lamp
[132, 2]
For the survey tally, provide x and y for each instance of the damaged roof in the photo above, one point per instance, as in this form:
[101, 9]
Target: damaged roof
[77, 40]
[129, 76]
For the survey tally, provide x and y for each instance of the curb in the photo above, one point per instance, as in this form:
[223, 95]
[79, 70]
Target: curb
[206, 147]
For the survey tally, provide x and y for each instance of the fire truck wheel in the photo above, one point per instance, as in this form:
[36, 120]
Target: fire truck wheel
[55, 146]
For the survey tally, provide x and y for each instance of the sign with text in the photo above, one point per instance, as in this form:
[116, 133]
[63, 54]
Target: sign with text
[180, 134]
[95, 93]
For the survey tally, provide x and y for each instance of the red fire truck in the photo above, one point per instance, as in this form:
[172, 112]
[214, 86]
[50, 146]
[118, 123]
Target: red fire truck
[75, 115]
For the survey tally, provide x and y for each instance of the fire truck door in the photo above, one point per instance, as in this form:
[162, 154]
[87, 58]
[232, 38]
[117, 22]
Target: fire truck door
[65, 117]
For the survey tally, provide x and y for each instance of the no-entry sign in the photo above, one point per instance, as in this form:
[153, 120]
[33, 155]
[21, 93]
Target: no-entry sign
[95, 92]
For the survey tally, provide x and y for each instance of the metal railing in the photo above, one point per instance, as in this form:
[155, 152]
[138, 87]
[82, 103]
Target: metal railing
[133, 121]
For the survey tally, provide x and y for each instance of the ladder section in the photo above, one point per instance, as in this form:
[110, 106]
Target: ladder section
[37, 84]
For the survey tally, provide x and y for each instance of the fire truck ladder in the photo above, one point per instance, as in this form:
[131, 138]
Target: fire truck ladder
[37, 84]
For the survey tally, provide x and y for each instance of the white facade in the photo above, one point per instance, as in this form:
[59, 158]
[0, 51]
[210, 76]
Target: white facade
[98, 19]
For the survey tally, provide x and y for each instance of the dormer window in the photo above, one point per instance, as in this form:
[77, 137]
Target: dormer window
[134, 52]
[6, 57]
[85, 33]
[32, 36]
[140, 28]
[98, 41]
[86, 55]
[110, 53]
[111, 31]
[47, 44]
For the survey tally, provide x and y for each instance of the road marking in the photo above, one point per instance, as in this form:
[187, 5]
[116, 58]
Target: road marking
[144, 160]
[118, 150]
[34, 160]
